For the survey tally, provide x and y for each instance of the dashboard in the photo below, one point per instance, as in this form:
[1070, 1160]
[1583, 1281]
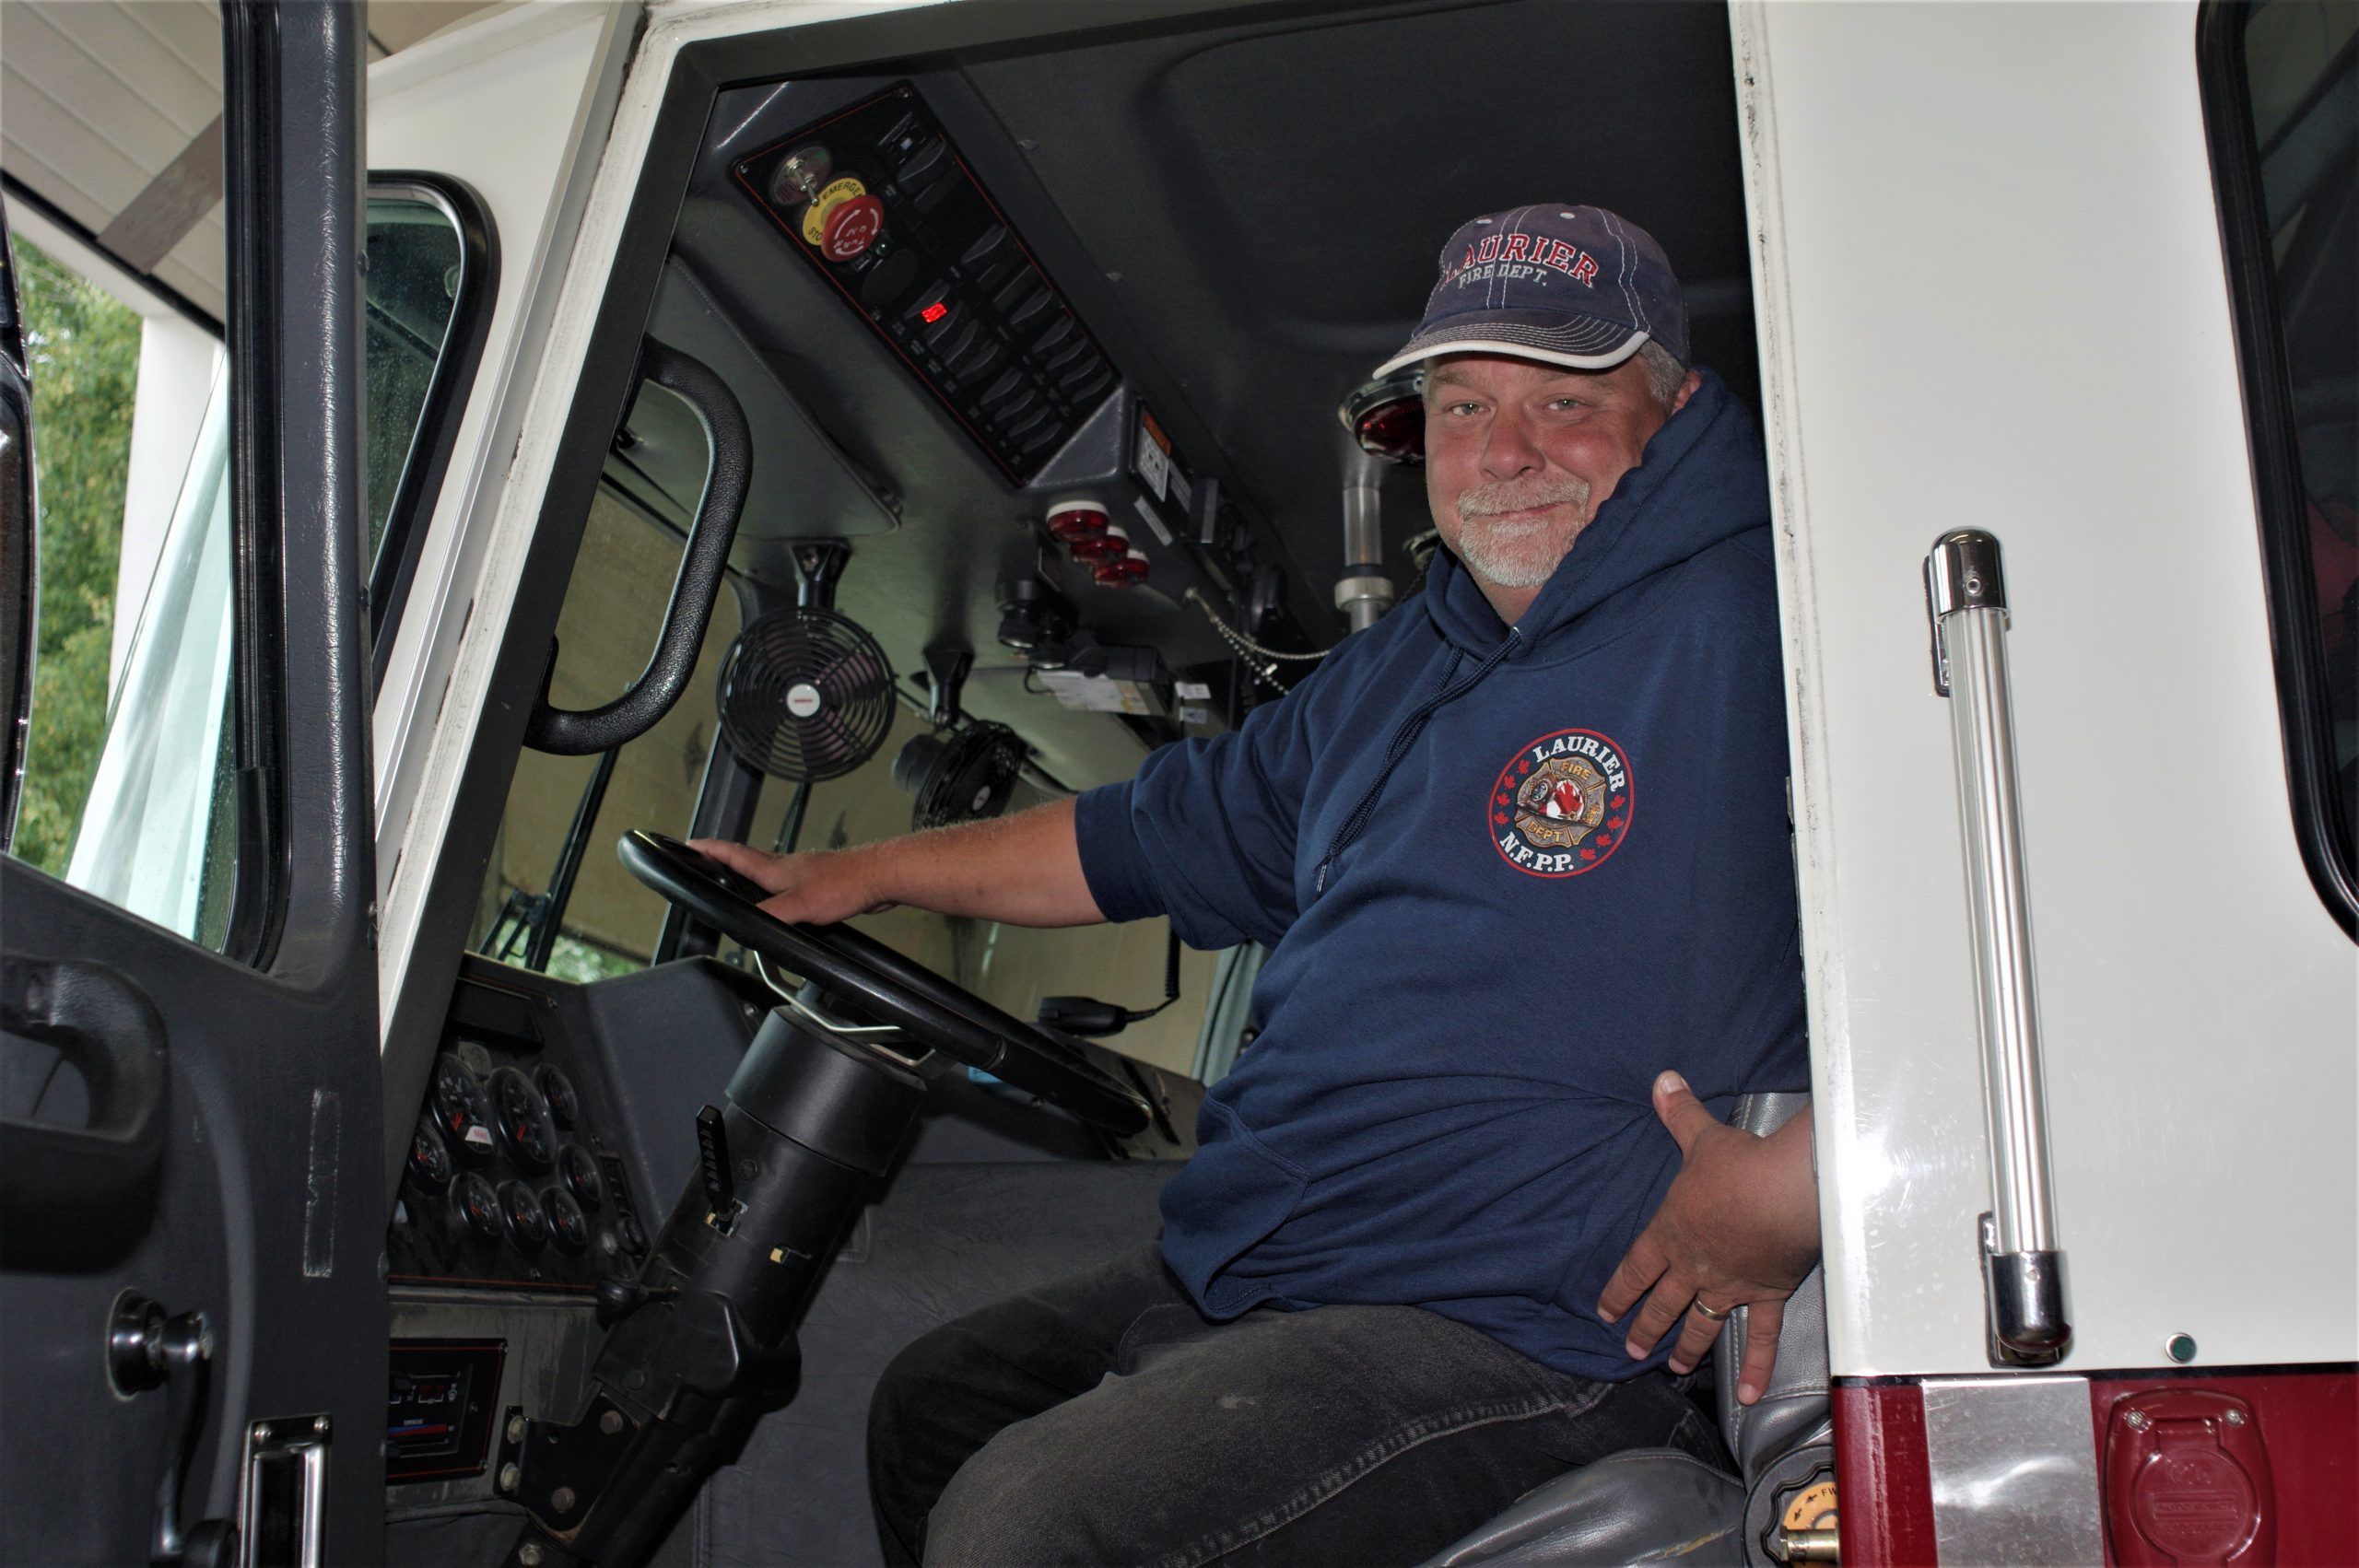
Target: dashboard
[552, 1097]
[523, 1188]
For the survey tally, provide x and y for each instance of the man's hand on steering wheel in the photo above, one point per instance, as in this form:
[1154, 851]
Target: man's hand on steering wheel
[1738, 1228]
[722, 886]
[817, 887]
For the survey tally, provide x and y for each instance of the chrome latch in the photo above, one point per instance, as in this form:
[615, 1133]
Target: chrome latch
[282, 1506]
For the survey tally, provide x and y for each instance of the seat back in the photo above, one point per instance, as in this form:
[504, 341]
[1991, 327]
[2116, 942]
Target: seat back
[1786, 1435]
[1661, 1506]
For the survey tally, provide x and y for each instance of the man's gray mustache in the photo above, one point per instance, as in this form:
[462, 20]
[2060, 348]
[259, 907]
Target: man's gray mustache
[1475, 504]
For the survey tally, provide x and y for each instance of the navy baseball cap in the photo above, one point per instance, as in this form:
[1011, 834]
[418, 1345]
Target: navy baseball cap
[1570, 285]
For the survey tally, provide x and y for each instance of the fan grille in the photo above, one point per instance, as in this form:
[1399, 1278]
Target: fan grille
[969, 776]
[805, 695]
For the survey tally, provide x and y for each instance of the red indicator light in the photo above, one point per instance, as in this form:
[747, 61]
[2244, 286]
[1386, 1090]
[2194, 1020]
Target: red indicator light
[933, 312]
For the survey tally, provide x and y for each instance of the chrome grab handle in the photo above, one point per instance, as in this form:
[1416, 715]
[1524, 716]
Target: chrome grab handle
[2023, 1269]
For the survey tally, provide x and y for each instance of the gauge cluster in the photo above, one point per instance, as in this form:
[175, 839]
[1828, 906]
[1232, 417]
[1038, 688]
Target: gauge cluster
[507, 1182]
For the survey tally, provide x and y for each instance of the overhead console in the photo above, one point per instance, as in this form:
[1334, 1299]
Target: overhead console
[884, 205]
[878, 200]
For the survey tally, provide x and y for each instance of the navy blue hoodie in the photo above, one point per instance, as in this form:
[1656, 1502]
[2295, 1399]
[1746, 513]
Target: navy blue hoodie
[1506, 877]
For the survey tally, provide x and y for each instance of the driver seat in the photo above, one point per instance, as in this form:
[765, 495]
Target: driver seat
[1662, 1505]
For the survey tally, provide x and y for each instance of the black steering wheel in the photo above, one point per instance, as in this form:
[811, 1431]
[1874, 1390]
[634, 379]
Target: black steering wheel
[869, 978]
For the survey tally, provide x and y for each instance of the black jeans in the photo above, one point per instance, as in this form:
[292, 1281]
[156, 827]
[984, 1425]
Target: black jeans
[1102, 1420]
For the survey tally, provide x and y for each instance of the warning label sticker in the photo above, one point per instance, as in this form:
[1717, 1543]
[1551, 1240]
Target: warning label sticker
[1153, 461]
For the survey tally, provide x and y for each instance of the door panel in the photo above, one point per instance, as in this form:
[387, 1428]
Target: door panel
[265, 1209]
[1993, 296]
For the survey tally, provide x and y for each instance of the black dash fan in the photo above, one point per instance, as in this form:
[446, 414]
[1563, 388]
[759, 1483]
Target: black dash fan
[962, 775]
[805, 695]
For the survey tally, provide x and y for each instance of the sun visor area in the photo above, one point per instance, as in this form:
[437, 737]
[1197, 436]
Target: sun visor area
[803, 485]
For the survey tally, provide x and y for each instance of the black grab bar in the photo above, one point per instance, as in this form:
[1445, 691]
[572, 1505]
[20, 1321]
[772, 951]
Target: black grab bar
[567, 732]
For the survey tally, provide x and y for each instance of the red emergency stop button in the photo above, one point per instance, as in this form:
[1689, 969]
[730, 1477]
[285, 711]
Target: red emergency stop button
[848, 231]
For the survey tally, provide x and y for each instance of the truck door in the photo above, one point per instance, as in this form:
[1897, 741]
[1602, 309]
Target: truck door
[191, 1210]
[1995, 304]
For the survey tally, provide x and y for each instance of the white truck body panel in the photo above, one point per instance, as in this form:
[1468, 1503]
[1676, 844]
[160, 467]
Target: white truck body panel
[516, 105]
[1991, 295]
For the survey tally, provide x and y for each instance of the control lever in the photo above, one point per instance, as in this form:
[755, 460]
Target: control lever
[146, 1349]
[712, 1164]
[1088, 1015]
[1083, 1015]
[617, 1299]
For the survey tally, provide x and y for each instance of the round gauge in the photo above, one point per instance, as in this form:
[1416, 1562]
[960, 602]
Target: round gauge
[580, 1174]
[527, 1226]
[567, 1223]
[800, 174]
[479, 1205]
[523, 1119]
[430, 1157]
[564, 1103]
[464, 1109]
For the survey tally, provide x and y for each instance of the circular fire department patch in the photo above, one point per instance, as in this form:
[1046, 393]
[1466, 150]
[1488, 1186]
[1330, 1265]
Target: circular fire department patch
[1562, 804]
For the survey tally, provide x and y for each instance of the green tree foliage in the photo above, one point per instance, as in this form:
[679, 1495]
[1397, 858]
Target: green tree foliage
[84, 348]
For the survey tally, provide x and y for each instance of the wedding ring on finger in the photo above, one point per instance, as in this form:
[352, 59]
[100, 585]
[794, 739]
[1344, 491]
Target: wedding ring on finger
[1719, 1315]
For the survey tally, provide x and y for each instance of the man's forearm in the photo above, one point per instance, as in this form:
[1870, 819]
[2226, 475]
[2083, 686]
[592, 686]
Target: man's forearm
[1024, 869]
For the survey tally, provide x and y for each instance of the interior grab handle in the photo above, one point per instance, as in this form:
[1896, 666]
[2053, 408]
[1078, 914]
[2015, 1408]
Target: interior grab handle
[571, 732]
[2023, 1268]
[77, 1188]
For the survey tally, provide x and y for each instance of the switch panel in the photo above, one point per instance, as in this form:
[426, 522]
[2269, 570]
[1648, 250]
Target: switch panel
[878, 199]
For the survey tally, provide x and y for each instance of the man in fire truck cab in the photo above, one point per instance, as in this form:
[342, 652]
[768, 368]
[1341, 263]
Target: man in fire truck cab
[1518, 852]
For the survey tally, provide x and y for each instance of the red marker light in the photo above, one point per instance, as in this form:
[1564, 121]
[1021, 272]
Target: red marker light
[1125, 572]
[1110, 546]
[1388, 417]
[933, 312]
[1077, 519]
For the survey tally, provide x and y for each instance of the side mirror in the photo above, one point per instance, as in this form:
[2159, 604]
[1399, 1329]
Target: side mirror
[19, 545]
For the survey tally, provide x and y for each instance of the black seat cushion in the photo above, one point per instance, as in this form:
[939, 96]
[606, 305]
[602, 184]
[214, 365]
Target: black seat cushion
[1648, 1505]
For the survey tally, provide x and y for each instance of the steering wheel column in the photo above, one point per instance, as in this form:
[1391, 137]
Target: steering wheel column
[702, 1343]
